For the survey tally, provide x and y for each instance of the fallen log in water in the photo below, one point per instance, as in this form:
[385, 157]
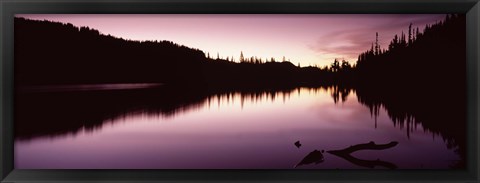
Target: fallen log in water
[368, 146]
[345, 154]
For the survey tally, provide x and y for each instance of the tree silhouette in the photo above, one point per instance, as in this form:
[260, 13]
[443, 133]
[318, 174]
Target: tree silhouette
[377, 48]
[242, 59]
[335, 66]
[410, 34]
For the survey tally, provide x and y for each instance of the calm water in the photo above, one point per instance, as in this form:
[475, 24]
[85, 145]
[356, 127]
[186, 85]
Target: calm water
[246, 130]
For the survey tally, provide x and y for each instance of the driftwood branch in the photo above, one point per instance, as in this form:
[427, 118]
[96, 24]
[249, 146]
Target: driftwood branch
[346, 154]
[368, 146]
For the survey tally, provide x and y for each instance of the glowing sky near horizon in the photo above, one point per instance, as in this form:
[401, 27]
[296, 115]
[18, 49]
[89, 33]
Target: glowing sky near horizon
[303, 39]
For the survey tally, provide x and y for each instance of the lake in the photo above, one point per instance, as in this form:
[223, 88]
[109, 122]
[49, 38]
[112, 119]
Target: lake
[155, 128]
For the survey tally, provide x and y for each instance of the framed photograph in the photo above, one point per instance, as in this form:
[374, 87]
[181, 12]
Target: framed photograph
[227, 91]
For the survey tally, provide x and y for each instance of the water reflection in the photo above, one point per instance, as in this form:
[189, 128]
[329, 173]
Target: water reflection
[225, 121]
[434, 111]
[88, 110]
[87, 87]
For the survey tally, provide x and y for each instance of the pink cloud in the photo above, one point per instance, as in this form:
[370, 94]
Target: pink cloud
[351, 41]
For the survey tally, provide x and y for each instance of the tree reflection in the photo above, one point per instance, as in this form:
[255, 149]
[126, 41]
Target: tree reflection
[57, 113]
[435, 113]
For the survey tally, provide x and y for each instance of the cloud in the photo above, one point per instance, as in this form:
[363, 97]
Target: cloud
[358, 37]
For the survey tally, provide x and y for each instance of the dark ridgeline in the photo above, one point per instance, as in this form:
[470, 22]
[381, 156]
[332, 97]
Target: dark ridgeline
[57, 53]
[419, 80]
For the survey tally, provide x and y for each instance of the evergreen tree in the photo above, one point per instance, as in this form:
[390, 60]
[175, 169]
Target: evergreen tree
[242, 59]
[335, 66]
[376, 44]
[410, 34]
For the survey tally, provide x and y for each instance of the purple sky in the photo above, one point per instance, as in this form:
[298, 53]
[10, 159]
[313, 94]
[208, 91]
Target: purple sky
[305, 39]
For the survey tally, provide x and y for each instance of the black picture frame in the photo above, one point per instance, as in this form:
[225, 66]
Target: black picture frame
[8, 8]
